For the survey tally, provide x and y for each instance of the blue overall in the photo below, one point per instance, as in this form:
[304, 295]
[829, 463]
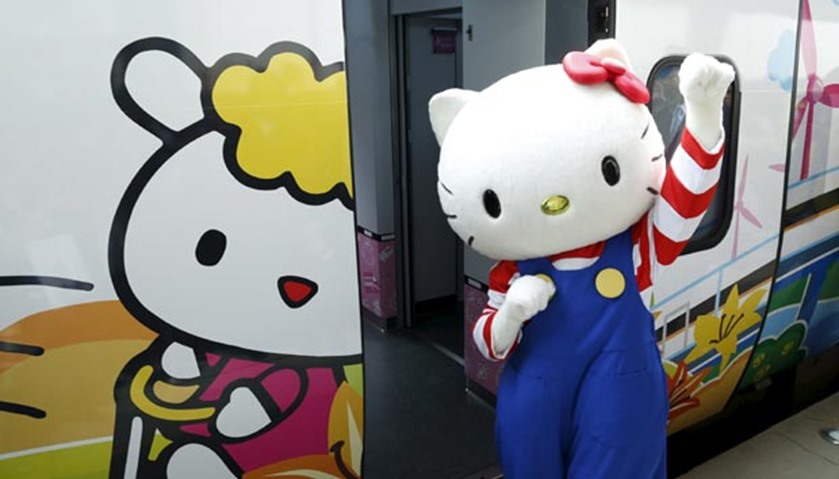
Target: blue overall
[584, 395]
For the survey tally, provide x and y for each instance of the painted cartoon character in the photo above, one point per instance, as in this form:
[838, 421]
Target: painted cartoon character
[231, 243]
[558, 171]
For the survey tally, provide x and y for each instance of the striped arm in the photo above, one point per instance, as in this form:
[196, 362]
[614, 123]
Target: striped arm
[500, 278]
[482, 335]
[686, 194]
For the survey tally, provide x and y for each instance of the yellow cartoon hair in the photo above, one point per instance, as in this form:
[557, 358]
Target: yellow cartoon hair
[290, 121]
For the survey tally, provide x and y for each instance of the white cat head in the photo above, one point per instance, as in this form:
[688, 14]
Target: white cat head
[215, 243]
[540, 163]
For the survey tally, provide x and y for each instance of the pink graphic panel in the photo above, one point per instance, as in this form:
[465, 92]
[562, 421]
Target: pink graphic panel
[377, 268]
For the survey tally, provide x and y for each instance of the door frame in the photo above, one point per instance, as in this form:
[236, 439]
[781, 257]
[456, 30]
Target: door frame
[399, 80]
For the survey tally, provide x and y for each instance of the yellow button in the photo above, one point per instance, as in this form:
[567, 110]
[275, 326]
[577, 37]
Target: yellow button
[610, 283]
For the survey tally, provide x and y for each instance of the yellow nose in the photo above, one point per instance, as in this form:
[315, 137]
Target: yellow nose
[555, 205]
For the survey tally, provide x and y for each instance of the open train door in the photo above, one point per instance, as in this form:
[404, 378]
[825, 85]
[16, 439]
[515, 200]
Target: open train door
[178, 275]
[710, 305]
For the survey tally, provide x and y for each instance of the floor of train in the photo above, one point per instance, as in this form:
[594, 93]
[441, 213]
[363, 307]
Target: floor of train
[422, 423]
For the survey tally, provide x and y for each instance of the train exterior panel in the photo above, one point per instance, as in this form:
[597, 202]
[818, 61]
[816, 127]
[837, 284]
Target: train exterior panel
[178, 266]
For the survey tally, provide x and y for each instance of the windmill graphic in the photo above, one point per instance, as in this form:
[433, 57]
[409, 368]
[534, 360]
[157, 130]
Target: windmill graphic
[740, 209]
[817, 92]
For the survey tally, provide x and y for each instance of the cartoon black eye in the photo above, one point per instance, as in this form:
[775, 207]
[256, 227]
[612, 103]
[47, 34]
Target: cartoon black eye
[611, 170]
[491, 204]
[210, 247]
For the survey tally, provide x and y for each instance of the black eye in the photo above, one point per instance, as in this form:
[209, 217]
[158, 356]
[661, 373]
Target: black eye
[611, 170]
[210, 247]
[491, 204]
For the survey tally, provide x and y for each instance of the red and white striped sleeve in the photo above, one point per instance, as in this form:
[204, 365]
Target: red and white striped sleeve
[686, 193]
[500, 278]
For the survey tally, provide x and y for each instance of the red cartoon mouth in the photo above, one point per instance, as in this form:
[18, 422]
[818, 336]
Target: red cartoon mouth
[296, 291]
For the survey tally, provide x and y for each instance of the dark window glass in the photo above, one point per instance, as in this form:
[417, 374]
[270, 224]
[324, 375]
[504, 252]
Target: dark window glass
[668, 110]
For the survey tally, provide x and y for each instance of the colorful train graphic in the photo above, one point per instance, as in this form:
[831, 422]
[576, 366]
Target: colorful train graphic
[234, 349]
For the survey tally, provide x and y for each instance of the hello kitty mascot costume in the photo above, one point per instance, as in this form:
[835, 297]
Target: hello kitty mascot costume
[559, 173]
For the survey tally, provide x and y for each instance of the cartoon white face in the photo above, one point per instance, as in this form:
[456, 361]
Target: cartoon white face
[537, 164]
[240, 266]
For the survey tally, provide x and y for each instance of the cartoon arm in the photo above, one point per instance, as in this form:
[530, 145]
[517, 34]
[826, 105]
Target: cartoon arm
[255, 405]
[146, 398]
[243, 415]
[691, 179]
[513, 300]
[179, 362]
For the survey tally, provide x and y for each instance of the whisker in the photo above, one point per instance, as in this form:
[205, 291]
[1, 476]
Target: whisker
[451, 217]
[23, 410]
[471, 240]
[8, 347]
[656, 158]
[63, 283]
[446, 188]
[652, 190]
[646, 129]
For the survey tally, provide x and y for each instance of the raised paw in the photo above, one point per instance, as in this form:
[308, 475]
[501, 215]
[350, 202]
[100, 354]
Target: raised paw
[704, 79]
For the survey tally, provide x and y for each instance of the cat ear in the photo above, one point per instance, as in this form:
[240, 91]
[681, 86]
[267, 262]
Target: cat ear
[444, 107]
[610, 48]
[157, 83]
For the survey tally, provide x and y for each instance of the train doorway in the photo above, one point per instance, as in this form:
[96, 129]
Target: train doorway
[428, 60]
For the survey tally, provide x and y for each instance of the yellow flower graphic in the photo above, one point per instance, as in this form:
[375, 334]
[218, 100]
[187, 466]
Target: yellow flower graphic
[720, 333]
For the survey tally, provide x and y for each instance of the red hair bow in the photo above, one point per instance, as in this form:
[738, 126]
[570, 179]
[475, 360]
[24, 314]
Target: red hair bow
[587, 69]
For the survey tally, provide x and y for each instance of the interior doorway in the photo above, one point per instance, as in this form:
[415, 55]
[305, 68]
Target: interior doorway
[429, 60]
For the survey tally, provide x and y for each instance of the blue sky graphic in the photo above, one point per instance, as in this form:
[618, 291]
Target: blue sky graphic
[782, 59]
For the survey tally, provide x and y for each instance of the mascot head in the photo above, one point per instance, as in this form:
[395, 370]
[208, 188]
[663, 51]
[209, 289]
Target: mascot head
[548, 159]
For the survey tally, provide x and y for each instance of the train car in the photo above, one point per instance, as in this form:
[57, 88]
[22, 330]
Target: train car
[158, 239]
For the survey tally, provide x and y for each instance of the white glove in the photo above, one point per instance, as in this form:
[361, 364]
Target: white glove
[527, 296]
[703, 82]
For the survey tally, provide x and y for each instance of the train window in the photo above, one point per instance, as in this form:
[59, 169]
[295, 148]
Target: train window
[668, 110]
